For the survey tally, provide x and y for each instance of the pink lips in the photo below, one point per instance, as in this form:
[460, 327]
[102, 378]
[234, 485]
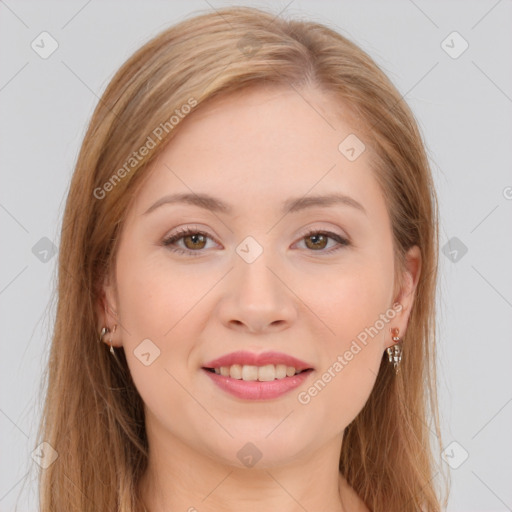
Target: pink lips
[248, 358]
[256, 390]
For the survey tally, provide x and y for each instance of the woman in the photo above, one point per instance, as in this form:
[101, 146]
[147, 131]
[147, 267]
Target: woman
[247, 282]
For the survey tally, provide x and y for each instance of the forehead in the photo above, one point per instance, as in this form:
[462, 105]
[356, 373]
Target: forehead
[270, 122]
[262, 144]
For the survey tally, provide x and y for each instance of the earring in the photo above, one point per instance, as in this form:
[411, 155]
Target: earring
[111, 347]
[106, 330]
[395, 352]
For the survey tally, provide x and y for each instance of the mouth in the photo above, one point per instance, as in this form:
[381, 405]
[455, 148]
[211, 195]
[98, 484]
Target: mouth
[251, 376]
[265, 373]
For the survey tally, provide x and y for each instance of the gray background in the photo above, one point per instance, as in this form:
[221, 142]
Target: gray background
[463, 106]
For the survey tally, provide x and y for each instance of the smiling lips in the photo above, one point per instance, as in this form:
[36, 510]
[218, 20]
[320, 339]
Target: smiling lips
[257, 376]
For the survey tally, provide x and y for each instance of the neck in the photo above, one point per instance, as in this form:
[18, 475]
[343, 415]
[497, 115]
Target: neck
[180, 478]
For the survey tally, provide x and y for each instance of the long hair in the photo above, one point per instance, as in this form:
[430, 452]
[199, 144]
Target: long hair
[93, 416]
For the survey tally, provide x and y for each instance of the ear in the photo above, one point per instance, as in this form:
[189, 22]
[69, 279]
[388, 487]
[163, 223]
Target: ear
[106, 309]
[407, 292]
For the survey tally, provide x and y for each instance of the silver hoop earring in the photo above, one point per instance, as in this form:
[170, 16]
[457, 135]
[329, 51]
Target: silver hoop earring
[395, 352]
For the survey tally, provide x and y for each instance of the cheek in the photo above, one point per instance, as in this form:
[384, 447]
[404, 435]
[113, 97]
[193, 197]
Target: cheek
[353, 301]
[356, 310]
[155, 297]
[156, 305]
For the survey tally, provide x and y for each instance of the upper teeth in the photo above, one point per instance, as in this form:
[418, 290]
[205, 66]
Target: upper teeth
[261, 373]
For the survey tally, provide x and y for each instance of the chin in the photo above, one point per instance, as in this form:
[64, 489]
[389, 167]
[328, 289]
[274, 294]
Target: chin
[259, 449]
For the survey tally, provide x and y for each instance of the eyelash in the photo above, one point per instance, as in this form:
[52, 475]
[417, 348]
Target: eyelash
[167, 242]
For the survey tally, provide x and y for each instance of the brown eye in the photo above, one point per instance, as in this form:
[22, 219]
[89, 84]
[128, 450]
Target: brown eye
[194, 241]
[187, 241]
[319, 241]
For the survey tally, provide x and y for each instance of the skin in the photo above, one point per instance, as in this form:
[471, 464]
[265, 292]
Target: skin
[294, 298]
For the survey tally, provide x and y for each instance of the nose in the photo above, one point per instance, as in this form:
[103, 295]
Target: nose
[257, 298]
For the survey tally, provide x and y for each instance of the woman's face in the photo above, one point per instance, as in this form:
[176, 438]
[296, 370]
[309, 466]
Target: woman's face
[259, 272]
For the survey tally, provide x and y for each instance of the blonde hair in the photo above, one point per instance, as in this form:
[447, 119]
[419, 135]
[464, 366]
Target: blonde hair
[93, 415]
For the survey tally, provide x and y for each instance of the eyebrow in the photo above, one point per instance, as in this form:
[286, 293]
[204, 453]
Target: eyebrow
[291, 205]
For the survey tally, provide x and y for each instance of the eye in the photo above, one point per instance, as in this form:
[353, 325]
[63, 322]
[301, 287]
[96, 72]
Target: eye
[318, 240]
[193, 239]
